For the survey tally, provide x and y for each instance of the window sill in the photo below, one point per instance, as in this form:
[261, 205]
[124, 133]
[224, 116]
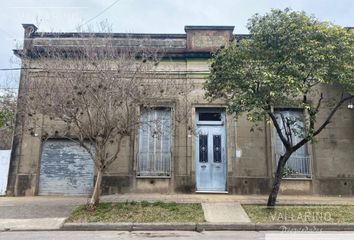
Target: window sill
[298, 178]
[211, 123]
[163, 177]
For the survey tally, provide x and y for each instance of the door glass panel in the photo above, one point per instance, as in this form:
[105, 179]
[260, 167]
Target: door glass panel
[217, 148]
[209, 116]
[203, 148]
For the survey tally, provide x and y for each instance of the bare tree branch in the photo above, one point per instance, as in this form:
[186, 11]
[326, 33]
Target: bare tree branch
[325, 123]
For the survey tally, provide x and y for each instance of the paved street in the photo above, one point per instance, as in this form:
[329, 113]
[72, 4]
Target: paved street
[226, 235]
[38, 213]
[131, 235]
[38, 207]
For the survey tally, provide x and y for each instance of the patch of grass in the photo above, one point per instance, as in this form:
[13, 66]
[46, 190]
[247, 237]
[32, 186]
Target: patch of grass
[145, 203]
[301, 214]
[139, 212]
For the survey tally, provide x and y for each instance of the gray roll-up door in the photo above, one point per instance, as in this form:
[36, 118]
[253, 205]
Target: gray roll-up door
[66, 169]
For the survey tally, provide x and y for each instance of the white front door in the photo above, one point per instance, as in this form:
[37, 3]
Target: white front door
[210, 154]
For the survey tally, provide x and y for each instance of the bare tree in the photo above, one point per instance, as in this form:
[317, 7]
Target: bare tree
[96, 89]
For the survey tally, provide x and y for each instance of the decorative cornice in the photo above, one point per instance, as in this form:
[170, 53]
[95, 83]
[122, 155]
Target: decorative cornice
[209, 28]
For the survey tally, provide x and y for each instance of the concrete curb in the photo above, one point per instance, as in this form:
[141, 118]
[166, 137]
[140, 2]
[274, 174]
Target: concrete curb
[128, 227]
[225, 227]
[164, 226]
[31, 224]
[199, 227]
[97, 227]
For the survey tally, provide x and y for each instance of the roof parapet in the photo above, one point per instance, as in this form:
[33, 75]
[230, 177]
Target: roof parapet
[208, 38]
[209, 28]
[29, 29]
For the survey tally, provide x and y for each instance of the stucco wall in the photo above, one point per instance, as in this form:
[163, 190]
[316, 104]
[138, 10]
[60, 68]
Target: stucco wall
[250, 154]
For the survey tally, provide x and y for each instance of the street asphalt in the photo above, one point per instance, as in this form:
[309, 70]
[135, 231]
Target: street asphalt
[175, 235]
[38, 207]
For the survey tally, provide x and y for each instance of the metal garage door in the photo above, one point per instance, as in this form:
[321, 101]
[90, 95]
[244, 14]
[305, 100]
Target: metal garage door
[66, 169]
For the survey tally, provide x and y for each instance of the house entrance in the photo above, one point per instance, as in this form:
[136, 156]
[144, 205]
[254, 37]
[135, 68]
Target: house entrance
[210, 151]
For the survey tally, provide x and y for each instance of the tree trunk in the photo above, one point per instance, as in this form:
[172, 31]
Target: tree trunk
[277, 180]
[95, 198]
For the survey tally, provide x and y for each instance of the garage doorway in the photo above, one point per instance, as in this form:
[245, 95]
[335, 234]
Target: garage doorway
[66, 169]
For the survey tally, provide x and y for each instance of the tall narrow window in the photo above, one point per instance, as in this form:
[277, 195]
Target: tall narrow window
[217, 148]
[203, 148]
[154, 156]
[299, 163]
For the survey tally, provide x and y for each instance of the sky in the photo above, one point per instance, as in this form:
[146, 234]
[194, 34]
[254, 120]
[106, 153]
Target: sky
[143, 16]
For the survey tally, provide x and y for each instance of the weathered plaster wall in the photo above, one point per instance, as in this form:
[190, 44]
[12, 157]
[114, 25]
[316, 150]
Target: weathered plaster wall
[250, 159]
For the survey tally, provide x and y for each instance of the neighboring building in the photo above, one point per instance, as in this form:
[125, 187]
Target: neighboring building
[4, 170]
[211, 152]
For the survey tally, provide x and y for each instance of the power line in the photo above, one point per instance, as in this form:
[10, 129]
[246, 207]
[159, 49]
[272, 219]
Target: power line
[99, 14]
[19, 68]
[13, 69]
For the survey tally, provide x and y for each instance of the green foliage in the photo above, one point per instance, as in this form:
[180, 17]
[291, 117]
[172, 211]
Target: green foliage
[287, 55]
[288, 58]
[7, 110]
[287, 172]
[145, 203]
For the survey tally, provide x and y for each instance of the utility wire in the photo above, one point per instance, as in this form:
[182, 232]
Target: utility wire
[14, 69]
[99, 14]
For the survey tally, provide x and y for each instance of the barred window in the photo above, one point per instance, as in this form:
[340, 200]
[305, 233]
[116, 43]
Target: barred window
[154, 156]
[299, 164]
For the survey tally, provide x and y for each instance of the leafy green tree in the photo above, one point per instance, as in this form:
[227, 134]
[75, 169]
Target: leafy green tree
[289, 60]
[7, 118]
[6, 111]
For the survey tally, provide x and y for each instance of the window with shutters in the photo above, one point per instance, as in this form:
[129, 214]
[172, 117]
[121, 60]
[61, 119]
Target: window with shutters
[299, 164]
[154, 155]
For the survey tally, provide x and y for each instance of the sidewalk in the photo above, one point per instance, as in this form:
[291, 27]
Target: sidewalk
[179, 198]
[49, 212]
[242, 199]
[36, 213]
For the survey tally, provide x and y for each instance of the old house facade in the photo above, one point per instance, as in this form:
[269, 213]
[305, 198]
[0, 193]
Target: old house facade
[210, 152]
